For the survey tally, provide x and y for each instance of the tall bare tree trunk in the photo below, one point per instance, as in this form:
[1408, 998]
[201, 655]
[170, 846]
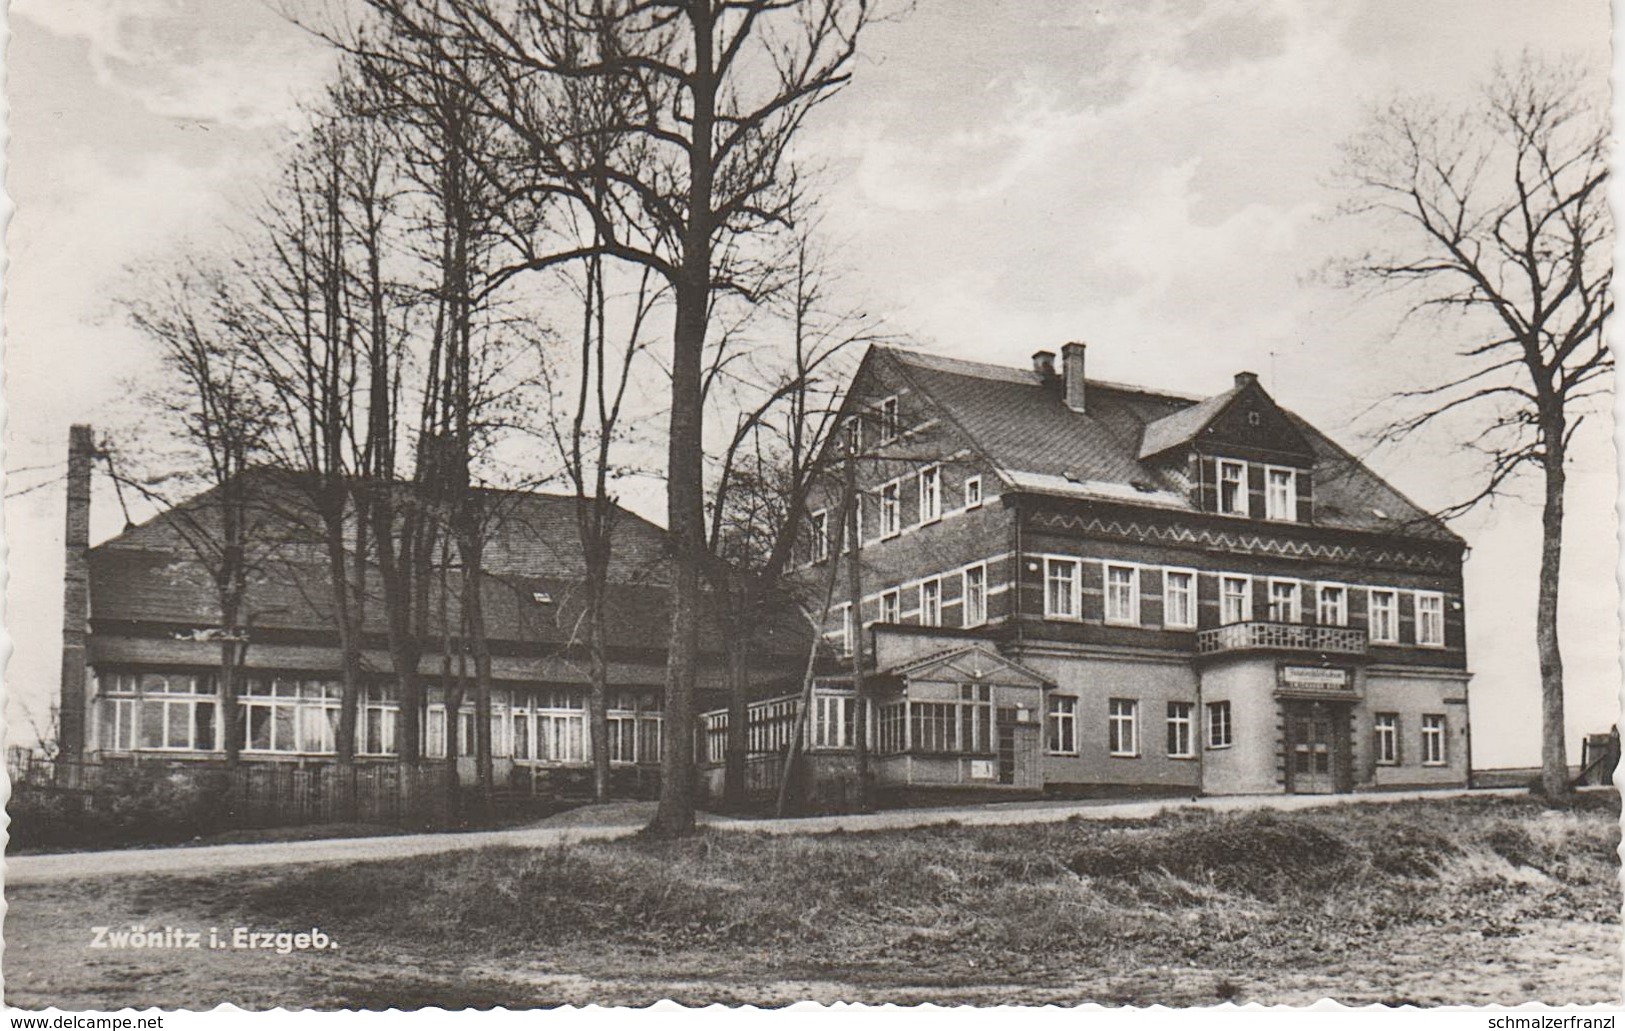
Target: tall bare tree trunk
[1554, 773]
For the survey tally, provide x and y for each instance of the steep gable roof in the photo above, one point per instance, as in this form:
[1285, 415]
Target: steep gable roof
[1021, 424]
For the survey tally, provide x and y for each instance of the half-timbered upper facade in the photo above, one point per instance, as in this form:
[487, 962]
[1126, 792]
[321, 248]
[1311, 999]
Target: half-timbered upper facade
[1162, 592]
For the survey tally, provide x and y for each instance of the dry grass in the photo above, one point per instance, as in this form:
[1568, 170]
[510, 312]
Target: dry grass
[1447, 901]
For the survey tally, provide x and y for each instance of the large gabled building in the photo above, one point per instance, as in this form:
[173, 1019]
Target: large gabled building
[1075, 586]
[142, 642]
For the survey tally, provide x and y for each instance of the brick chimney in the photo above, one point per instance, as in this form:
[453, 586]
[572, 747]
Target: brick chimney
[1044, 364]
[1072, 374]
[1244, 378]
[75, 595]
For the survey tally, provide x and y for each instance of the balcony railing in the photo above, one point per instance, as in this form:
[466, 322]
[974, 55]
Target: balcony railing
[1295, 637]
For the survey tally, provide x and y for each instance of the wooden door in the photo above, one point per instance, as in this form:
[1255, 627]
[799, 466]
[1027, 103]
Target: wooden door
[1312, 746]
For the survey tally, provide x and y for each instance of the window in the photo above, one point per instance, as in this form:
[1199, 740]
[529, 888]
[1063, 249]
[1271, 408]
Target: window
[1123, 595]
[1061, 726]
[931, 602]
[854, 435]
[973, 492]
[375, 729]
[891, 606]
[1180, 739]
[1280, 494]
[1061, 588]
[1385, 743]
[891, 511]
[962, 726]
[1218, 725]
[975, 596]
[1430, 619]
[1384, 616]
[1235, 599]
[1122, 739]
[175, 712]
[820, 536]
[1332, 607]
[889, 424]
[1179, 599]
[846, 629]
[930, 495]
[1284, 600]
[1433, 739]
[832, 721]
[1232, 487]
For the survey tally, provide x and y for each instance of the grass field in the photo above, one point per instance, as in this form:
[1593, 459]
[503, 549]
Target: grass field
[1468, 901]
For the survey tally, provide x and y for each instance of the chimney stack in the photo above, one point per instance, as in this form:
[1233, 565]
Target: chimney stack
[1244, 378]
[1072, 374]
[1044, 364]
[76, 596]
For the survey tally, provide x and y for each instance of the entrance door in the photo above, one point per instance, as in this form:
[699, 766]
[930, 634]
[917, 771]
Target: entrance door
[1312, 749]
[1007, 745]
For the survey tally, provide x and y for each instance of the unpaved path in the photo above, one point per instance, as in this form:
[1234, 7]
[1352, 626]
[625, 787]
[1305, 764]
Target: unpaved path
[64, 866]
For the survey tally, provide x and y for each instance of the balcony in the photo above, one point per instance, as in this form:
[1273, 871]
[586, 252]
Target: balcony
[1259, 635]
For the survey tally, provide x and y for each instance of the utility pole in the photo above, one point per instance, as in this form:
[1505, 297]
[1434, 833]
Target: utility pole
[854, 591]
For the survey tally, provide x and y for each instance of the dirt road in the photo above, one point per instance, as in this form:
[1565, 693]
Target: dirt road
[42, 869]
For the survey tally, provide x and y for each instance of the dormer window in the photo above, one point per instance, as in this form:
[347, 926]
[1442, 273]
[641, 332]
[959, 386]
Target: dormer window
[1281, 494]
[1232, 487]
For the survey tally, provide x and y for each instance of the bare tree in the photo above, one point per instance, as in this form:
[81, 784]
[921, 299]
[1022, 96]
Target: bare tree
[1499, 217]
[716, 93]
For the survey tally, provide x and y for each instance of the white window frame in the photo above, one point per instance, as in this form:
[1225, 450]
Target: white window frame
[847, 636]
[1132, 616]
[1168, 592]
[820, 535]
[932, 615]
[1123, 713]
[1296, 615]
[1246, 597]
[891, 426]
[973, 615]
[1434, 750]
[891, 509]
[1288, 511]
[854, 434]
[1074, 595]
[930, 477]
[1061, 725]
[1341, 612]
[891, 606]
[1391, 607]
[1428, 640]
[1245, 506]
[1385, 738]
[973, 492]
[1219, 718]
[1181, 730]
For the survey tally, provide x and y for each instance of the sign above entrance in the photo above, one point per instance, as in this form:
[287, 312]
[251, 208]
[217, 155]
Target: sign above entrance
[1314, 677]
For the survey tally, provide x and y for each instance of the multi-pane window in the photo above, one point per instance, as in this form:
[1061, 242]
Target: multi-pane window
[1218, 725]
[1061, 726]
[1332, 605]
[1232, 487]
[889, 424]
[891, 606]
[376, 727]
[931, 602]
[1122, 735]
[962, 726]
[1281, 494]
[1061, 598]
[846, 635]
[1181, 740]
[833, 719]
[1122, 594]
[1384, 606]
[1385, 740]
[975, 595]
[1235, 599]
[288, 715]
[930, 495]
[1179, 599]
[854, 435]
[1429, 618]
[174, 712]
[1433, 739]
[973, 492]
[1284, 600]
[820, 536]
[891, 510]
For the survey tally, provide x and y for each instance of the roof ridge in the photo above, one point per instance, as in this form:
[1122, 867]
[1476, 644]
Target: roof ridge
[971, 367]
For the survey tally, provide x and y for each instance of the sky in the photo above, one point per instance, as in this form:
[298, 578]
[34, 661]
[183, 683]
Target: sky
[1153, 179]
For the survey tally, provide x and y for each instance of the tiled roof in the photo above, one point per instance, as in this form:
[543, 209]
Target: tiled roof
[1022, 425]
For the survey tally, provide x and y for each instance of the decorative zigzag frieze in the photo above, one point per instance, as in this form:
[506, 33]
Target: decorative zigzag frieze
[1241, 543]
